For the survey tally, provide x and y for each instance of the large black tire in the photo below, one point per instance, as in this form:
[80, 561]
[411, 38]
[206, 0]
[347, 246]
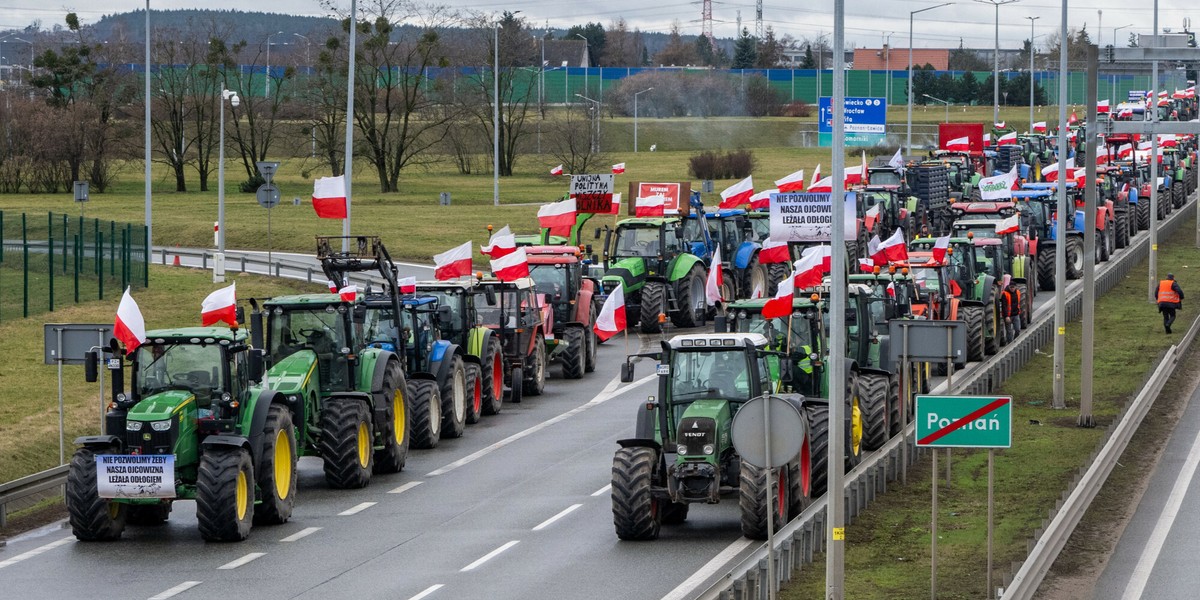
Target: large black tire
[493, 377]
[474, 392]
[1122, 229]
[425, 402]
[1180, 195]
[1164, 204]
[895, 399]
[818, 442]
[393, 427]
[654, 296]
[1110, 240]
[635, 511]
[276, 469]
[591, 343]
[148, 515]
[347, 440]
[1074, 257]
[225, 494]
[761, 492]
[515, 377]
[776, 272]
[574, 356]
[93, 519]
[873, 390]
[534, 383]
[799, 482]
[994, 325]
[1045, 267]
[689, 298]
[973, 316]
[1143, 214]
[757, 278]
[454, 399]
[1026, 306]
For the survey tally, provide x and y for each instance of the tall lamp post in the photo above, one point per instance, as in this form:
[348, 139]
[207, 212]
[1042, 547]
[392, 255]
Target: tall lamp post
[1031, 86]
[943, 102]
[887, 59]
[1114, 79]
[587, 48]
[267, 88]
[908, 128]
[308, 63]
[996, 59]
[219, 259]
[635, 117]
[496, 116]
[146, 131]
[595, 123]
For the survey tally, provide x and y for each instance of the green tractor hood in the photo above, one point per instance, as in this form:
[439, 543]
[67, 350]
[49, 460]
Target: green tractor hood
[631, 272]
[704, 422]
[163, 406]
[290, 375]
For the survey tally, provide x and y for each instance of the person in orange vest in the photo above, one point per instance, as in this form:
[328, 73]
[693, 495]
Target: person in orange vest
[1170, 299]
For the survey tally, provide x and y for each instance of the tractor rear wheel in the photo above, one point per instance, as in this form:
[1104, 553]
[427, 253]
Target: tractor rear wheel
[689, 298]
[635, 511]
[1026, 306]
[1143, 214]
[800, 480]
[454, 399]
[393, 427]
[776, 272]
[426, 413]
[474, 393]
[818, 442]
[992, 325]
[574, 356]
[535, 383]
[493, 377]
[1045, 267]
[93, 519]
[225, 494]
[276, 469]
[757, 279]
[763, 492]
[1179, 194]
[515, 378]
[1074, 257]
[1122, 229]
[347, 441]
[653, 304]
[590, 344]
[895, 422]
[973, 315]
[873, 391]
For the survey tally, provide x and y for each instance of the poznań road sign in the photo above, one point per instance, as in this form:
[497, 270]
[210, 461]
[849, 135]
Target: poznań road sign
[964, 421]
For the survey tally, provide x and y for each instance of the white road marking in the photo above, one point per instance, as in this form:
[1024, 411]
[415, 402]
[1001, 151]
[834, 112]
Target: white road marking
[175, 591]
[404, 488]
[233, 564]
[300, 534]
[356, 509]
[1158, 537]
[36, 551]
[609, 392]
[489, 556]
[551, 520]
[427, 591]
[602, 491]
[688, 588]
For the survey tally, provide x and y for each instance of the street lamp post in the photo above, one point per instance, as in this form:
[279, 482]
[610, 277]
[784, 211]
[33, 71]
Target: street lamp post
[219, 258]
[887, 59]
[996, 59]
[496, 117]
[587, 48]
[595, 123]
[1031, 20]
[943, 102]
[146, 133]
[267, 88]
[1114, 79]
[635, 117]
[908, 129]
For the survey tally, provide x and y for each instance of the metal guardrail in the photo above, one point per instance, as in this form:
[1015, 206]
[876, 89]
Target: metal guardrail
[277, 267]
[28, 486]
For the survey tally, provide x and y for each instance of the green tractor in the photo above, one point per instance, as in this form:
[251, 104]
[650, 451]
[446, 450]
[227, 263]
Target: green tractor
[682, 452]
[459, 323]
[193, 426]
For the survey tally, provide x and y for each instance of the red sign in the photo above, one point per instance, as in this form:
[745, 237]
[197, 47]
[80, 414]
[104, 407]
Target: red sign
[593, 193]
[673, 192]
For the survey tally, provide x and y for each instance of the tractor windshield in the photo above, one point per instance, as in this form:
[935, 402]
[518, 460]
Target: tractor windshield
[192, 367]
[505, 313]
[380, 328]
[774, 330]
[711, 375]
[885, 177]
[760, 229]
[637, 241]
[550, 280]
[319, 329]
[456, 300]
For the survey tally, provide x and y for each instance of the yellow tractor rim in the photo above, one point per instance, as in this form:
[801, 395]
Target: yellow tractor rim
[364, 445]
[283, 464]
[114, 509]
[243, 495]
[856, 426]
[398, 416]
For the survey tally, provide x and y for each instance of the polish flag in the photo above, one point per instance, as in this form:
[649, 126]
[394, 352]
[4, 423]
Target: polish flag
[511, 266]
[1072, 119]
[825, 185]
[762, 199]
[853, 176]
[654, 206]
[871, 216]
[618, 168]
[1124, 112]
[892, 249]
[1039, 127]
[349, 293]
[940, 246]
[1124, 150]
[791, 183]
[873, 249]
[611, 319]
[961, 144]
[812, 267]
[1050, 172]
[1167, 140]
[891, 289]
[737, 194]
[815, 177]
[219, 306]
[1000, 125]
[1103, 153]
[781, 304]
[1006, 139]
[556, 171]
[329, 197]
[455, 262]
[1145, 146]
[502, 242]
[866, 265]
[408, 285]
[333, 287]
[1102, 107]
[757, 292]
[130, 327]
[1011, 224]
[712, 286]
[987, 139]
[557, 214]
[773, 252]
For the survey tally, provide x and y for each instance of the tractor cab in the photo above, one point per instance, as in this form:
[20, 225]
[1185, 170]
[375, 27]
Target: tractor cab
[312, 328]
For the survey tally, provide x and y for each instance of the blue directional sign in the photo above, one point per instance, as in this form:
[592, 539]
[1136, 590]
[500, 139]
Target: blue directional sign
[866, 121]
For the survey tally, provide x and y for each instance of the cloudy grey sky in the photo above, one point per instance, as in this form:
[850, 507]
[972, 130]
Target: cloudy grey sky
[867, 21]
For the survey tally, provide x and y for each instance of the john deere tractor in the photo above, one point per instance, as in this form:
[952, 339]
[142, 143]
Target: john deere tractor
[192, 426]
[659, 269]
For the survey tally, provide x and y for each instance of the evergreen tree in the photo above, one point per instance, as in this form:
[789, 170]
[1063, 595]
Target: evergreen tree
[745, 52]
[966, 89]
[704, 51]
[809, 62]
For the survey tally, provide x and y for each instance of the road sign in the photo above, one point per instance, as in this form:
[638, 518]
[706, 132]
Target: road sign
[750, 435]
[865, 125]
[267, 195]
[964, 421]
[267, 168]
[81, 191]
[927, 340]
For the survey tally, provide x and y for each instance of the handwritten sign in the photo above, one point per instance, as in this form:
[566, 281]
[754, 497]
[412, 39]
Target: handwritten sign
[593, 193]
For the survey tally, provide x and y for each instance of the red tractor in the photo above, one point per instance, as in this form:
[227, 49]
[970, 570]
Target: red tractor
[559, 275]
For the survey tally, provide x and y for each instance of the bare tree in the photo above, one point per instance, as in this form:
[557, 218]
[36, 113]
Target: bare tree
[569, 140]
[516, 83]
[255, 121]
[326, 94]
[623, 48]
[171, 93]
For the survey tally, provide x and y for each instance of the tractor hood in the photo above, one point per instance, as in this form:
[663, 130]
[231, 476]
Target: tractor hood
[289, 375]
[162, 406]
[704, 422]
[631, 272]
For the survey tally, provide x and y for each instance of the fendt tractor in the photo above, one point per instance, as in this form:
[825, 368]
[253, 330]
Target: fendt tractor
[682, 452]
[192, 426]
[979, 304]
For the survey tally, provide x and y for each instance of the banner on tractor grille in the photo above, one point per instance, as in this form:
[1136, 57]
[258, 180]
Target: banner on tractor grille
[809, 217]
[593, 193]
[137, 475]
[676, 194]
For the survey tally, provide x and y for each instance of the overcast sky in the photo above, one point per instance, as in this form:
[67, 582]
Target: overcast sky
[867, 21]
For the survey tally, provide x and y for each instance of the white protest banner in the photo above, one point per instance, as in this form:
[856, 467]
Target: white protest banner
[135, 475]
[800, 217]
[998, 187]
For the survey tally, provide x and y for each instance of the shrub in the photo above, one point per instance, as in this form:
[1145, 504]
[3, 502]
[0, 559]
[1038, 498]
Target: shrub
[798, 108]
[735, 164]
[250, 186]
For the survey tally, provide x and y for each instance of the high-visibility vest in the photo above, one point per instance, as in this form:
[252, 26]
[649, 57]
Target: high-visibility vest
[1007, 296]
[1166, 293]
[1016, 310]
[805, 364]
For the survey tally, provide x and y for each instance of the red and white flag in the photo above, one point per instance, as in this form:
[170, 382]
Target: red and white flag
[1124, 150]
[987, 139]
[866, 265]
[511, 266]
[1039, 127]
[1167, 140]
[455, 262]
[853, 176]
[1000, 125]
[762, 199]
[611, 319]
[333, 287]
[1072, 119]
[653, 206]
[130, 327]
[1103, 152]
[502, 242]
[773, 252]
[557, 214]
[816, 176]
[823, 186]
[618, 168]
[1006, 139]
[891, 289]
[1050, 172]
[871, 216]
[1102, 107]
[557, 171]
[220, 306]
[960, 144]
[940, 246]
[737, 194]
[892, 249]
[329, 197]
[998, 187]
[812, 267]
[349, 293]
[408, 285]
[712, 286]
[791, 183]
[781, 304]
[757, 292]
[1011, 224]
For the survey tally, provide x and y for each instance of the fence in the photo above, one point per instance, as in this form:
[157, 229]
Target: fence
[47, 261]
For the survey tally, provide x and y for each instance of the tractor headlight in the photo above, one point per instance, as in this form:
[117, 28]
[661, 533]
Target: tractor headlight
[160, 425]
[293, 398]
[681, 449]
[122, 399]
[225, 397]
[133, 425]
[709, 449]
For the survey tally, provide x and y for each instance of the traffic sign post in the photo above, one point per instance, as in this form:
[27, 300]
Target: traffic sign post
[267, 195]
[963, 422]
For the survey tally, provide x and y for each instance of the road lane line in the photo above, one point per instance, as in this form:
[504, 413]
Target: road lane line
[233, 564]
[356, 509]
[602, 491]
[300, 534]
[175, 591]
[36, 551]
[489, 556]
[1158, 537]
[404, 488]
[427, 591]
[551, 520]
[609, 392]
[688, 588]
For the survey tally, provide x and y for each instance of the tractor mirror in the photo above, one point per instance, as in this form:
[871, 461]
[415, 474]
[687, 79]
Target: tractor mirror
[490, 295]
[91, 366]
[239, 315]
[720, 324]
[118, 376]
[785, 370]
[256, 358]
[256, 327]
[359, 315]
[626, 372]
[588, 249]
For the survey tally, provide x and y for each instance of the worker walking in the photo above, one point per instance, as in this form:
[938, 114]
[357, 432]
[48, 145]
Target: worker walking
[1170, 299]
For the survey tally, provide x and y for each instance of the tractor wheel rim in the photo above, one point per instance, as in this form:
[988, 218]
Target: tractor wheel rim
[477, 396]
[283, 464]
[497, 376]
[398, 417]
[460, 397]
[435, 418]
[364, 445]
[781, 496]
[114, 509]
[541, 363]
[758, 281]
[805, 468]
[697, 292]
[242, 495]
[856, 432]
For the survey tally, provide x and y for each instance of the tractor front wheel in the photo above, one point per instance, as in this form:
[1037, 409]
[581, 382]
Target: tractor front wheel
[574, 356]
[493, 377]
[1045, 267]
[454, 399]
[474, 393]
[817, 415]
[426, 412]
[653, 304]
[393, 427]
[347, 442]
[689, 298]
[225, 494]
[763, 492]
[635, 511]
[93, 519]
[535, 384]
[1122, 230]
[873, 390]
[1074, 257]
[277, 468]
[973, 315]
[1143, 214]
[590, 344]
